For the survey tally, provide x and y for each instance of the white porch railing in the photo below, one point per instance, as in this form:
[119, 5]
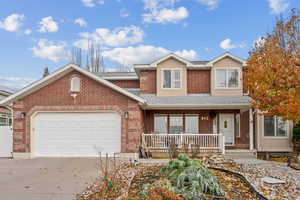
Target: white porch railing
[184, 140]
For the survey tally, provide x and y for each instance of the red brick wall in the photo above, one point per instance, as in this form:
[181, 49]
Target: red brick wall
[148, 82]
[92, 97]
[126, 83]
[198, 81]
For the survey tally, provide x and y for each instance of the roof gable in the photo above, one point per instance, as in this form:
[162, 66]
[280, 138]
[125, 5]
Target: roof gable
[227, 55]
[174, 56]
[59, 73]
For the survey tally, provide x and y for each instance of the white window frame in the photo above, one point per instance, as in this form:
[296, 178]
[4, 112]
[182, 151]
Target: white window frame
[72, 89]
[191, 115]
[227, 69]
[7, 118]
[167, 125]
[182, 120]
[172, 78]
[275, 129]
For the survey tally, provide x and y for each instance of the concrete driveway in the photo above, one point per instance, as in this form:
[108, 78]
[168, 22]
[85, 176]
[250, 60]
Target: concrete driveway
[45, 178]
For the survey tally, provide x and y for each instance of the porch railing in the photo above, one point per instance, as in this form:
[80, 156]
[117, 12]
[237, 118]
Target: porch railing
[184, 140]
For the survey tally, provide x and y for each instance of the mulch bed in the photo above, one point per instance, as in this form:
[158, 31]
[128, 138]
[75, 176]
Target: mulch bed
[234, 186]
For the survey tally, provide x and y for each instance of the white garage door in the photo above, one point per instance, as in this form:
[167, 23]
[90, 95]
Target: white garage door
[77, 134]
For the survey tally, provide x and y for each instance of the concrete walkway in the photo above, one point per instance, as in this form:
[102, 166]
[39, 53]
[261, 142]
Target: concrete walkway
[45, 178]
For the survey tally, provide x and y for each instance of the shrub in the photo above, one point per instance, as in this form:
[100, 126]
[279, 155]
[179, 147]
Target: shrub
[191, 178]
[195, 182]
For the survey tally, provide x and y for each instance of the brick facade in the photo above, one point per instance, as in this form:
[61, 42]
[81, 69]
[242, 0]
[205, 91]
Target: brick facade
[93, 97]
[198, 81]
[148, 82]
[126, 83]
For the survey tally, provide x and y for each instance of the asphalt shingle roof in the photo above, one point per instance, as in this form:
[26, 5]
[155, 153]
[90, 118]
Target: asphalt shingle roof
[201, 100]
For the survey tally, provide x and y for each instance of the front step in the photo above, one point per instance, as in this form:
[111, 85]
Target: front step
[238, 153]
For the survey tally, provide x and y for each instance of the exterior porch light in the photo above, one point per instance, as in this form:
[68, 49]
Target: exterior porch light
[126, 115]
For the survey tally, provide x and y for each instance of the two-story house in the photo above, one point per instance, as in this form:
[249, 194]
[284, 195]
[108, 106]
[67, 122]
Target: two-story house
[172, 101]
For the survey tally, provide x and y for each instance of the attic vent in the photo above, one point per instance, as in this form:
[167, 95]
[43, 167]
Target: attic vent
[75, 84]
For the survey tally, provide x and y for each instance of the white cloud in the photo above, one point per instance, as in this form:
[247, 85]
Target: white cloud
[81, 22]
[27, 32]
[118, 37]
[15, 82]
[12, 23]
[128, 56]
[278, 6]
[124, 13]
[92, 3]
[227, 45]
[211, 4]
[165, 15]
[47, 24]
[187, 54]
[162, 11]
[50, 50]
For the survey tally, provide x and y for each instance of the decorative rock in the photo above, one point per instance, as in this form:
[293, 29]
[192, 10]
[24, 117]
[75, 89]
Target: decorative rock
[271, 180]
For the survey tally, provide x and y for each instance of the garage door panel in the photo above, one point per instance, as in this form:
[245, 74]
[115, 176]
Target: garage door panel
[77, 134]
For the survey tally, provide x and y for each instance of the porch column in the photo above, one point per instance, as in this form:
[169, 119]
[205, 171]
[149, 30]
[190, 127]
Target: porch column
[251, 129]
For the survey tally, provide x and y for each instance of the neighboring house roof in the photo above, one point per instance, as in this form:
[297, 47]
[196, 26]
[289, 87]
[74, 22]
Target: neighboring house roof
[199, 101]
[118, 75]
[6, 91]
[58, 74]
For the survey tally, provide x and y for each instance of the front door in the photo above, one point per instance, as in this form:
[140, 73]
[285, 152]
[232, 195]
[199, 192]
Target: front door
[227, 128]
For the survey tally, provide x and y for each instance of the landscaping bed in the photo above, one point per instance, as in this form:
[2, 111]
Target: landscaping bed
[207, 178]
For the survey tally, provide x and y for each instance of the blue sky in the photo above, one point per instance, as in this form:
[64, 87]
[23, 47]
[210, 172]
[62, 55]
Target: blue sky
[35, 34]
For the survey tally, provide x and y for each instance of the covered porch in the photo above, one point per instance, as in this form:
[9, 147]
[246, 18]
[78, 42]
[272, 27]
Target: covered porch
[215, 128]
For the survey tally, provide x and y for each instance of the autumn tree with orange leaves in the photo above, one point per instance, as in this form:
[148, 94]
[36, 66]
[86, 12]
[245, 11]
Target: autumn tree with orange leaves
[273, 71]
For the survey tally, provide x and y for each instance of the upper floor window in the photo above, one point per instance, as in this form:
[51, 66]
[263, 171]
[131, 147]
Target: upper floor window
[171, 78]
[227, 78]
[75, 84]
[275, 126]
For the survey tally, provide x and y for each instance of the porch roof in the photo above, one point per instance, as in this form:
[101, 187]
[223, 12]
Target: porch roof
[205, 101]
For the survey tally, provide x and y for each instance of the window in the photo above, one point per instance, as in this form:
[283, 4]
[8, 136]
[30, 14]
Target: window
[192, 124]
[161, 124]
[238, 125]
[5, 119]
[75, 84]
[275, 127]
[227, 78]
[172, 78]
[176, 124]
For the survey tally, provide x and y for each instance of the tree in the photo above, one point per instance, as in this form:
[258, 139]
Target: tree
[94, 59]
[46, 72]
[76, 56]
[272, 75]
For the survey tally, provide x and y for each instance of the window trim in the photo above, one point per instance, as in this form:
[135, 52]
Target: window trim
[193, 115]
[275, 124]
[71, 83]
[227, 68]
[8, 119]
[163, 78]
[159, 115]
